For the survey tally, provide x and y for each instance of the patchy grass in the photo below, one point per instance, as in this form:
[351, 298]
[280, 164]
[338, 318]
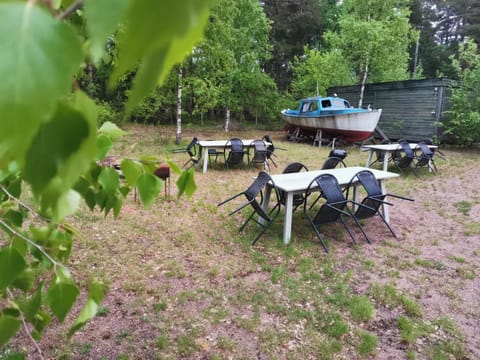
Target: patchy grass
[184, 283]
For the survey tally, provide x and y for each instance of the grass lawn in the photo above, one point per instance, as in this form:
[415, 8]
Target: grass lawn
[183, 283]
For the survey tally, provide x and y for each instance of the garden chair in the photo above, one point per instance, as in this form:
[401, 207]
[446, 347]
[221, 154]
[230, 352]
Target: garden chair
[255, 197]
[298, 199]
[424, 157]
[333, 210]
[193, 152]
[271, 148]
[404, 157]
[374, 199]
[234, 152]
[260, 154]
[335, 158]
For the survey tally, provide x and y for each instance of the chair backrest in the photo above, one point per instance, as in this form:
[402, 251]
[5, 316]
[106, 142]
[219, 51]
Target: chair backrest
[235, 154]
[374, 197]
[403, 161]
[406, 148]
[192, 147]
[294, 167]
[270, 146]
[255, 190]
[260, 152]
[332, 163]
[330, 189]
[426, 154]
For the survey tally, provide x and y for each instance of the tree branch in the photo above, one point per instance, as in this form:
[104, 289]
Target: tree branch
[70, 10]
[37, 347]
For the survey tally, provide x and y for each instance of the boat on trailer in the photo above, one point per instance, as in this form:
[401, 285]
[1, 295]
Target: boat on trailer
[332, 116]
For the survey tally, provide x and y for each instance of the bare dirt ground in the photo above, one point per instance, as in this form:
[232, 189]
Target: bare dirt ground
[175, 273]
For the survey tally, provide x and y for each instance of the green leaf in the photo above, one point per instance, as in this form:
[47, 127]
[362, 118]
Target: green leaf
[102, 18]
[32, 79]
[25, 280]
[148, 187]
[67, 204]
[131, 170]
[62, 150]
[104, 144]
[186, 183]
[158, 48]
[11, 265]
[95, 297]
[111, 130]
[9, 326]
[61, 295]
[175, 168]
[109, 180]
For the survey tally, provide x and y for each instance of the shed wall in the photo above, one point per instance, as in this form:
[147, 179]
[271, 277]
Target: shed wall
[410, 109]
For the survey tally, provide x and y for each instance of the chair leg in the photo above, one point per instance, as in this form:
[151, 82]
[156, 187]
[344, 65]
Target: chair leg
[348, 229]
[320, 237]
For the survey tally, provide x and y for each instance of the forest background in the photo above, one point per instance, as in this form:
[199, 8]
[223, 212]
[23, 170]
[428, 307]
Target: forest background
[257, 58]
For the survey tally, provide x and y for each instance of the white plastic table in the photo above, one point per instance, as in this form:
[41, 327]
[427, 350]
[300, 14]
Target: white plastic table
[297, 183]
[205, 145]
[388, 149]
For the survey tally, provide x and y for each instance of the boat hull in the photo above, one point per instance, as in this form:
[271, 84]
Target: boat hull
[351, 127]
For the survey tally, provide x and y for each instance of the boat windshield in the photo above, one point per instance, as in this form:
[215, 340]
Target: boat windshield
[335, 103]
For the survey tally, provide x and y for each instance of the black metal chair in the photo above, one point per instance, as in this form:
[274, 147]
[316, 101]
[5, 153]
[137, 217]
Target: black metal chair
[424, 157]
[236, 152]
[270, 147]
[193, 152]
[374, 199]
[335, 158]
[333, 210]
[404, 157]
[298, 199]
[255, 197]
[260, 154]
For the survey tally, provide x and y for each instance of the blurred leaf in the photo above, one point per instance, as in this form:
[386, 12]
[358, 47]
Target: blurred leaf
[131, 170]
[111, 130]
[175, 168]
[9, 326]
[149, 187]
[102, 18]
[11, 265]
[104, 144]
[25, 280]
[186, 183]
[32, 78]
[95, 297]
[67, 204]
[109, 180]
[158, 48]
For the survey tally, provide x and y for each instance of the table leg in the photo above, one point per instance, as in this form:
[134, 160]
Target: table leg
[369, 159]
[287, 221]
[385, 209]
[205, 160]
[385, 160]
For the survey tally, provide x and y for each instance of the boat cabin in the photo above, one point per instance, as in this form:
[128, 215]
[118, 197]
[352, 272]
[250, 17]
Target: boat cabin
[322, 104]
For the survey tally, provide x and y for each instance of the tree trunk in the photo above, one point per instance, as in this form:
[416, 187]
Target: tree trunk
[227, 119]
[415, 59]
[178, 138]
[362, 88]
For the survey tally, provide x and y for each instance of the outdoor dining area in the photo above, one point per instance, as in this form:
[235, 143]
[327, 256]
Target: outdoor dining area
[332, 193]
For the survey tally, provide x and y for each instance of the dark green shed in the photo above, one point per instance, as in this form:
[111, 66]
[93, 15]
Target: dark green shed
[411, 109]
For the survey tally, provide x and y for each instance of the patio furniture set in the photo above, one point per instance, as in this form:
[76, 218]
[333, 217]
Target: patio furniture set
[335, 184]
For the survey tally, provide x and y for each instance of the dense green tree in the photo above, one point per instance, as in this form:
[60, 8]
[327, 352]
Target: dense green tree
[227, 65]
[463, 120]
[374, 36]
[295, 24]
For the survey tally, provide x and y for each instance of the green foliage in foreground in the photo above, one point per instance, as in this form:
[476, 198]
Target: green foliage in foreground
[50, 148]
